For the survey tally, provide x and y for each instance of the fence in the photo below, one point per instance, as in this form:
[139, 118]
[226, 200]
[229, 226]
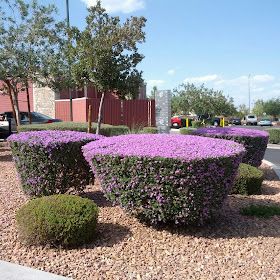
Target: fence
[133, 113]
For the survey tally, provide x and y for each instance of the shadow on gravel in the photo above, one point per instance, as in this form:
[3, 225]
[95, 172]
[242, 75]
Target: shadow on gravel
[269, 190]
[109, 234]
[5, 157]
[269, 174]
[4, 150]
[231, 224]
[98, 197]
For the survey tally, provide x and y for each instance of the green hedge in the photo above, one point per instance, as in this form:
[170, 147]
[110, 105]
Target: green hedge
[149, 130]
[196, 124]
[248, 181]
[186, 130]
[274, 135]
[106, 129]
[65, 220]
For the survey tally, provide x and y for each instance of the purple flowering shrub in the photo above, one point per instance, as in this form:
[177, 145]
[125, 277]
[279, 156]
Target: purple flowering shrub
[254, 141]
[51, 162]
[165, 178]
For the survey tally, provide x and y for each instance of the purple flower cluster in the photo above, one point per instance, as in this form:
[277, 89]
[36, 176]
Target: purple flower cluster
[50, 138]
[161, 145]
[254, 141]
[51, 162]
[232, 131]
[166, 178]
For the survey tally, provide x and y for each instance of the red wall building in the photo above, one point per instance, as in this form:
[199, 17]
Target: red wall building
[5, 103]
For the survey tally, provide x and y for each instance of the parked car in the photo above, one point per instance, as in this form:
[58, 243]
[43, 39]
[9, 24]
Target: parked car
[5, 127]
[250, 120]
[235, 121]
[36, 118]
[178, 121]
[265, 122]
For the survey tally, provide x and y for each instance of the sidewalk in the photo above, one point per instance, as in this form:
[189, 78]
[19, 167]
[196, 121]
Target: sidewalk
[11, 271]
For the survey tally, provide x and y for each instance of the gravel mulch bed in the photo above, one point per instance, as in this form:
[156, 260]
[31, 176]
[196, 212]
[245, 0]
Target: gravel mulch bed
[232, 247]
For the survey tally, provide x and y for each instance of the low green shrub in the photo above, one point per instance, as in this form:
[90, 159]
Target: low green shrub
[65, 220]
[186, 130]
[51, 161]
[106, 129]
[265, 211]
[150, 130]
[196, 124]
[274, 135]
[248, 180]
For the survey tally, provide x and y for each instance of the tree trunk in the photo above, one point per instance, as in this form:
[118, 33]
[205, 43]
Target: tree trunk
[28, 102]
[15, 115]
[99, 114]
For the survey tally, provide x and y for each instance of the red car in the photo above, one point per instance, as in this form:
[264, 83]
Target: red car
[178, 121]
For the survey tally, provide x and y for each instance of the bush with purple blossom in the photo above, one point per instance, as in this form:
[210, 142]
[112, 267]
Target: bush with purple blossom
[254, 141]
[51, 162]
[150, 177]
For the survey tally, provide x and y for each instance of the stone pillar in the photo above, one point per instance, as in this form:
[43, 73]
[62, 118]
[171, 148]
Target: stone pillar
[163, 110]
[44, 100]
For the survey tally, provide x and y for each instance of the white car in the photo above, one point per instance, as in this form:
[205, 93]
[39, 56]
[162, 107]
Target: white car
[250, 120]
[265, 122]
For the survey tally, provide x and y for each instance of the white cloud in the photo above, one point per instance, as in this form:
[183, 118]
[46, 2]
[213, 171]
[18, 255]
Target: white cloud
[202, 79]
[114, 6]
[157, 83]
[171, 72]
[263, 78]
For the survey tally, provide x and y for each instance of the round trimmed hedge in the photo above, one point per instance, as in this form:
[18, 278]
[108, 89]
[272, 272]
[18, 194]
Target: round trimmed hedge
[254, 141]
[165, 178]
[51, 162]
[65, 220]
[248, 180]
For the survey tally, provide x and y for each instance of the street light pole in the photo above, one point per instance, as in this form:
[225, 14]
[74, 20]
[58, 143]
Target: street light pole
[249, 92]
[69, 71]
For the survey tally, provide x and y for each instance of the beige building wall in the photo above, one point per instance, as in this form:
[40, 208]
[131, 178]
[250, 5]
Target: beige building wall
[44, 100]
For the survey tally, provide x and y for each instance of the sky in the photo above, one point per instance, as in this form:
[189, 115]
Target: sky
[215, 42]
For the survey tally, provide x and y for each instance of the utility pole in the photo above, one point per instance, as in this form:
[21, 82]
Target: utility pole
[69, 73]
[249, 91]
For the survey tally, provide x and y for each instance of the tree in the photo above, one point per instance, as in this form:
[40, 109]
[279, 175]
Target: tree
[106, 54]
[258, 107]
[153, 92]
[201, 100]
[272, 107]
[243, 110]
[27, 30]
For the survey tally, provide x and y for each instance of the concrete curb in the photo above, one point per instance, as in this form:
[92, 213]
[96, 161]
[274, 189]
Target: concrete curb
[275, 167]
[273, 146]
[11, 271]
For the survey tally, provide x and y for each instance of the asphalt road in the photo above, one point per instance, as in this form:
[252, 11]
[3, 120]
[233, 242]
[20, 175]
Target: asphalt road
[273, 155]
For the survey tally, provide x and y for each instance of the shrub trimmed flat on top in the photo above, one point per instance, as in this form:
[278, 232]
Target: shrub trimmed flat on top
[106, 129]
[248, 180]
[166, 178]
[254, 141]
[65, 220]
[274, 135]
[51, 162]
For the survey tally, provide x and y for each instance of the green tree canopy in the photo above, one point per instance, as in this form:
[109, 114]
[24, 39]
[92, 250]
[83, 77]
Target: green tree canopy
[272, 107]
[106, 54]
[259, 107]
[201, 100]
[28, 38]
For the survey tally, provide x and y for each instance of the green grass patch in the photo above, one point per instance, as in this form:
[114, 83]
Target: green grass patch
[264, 211]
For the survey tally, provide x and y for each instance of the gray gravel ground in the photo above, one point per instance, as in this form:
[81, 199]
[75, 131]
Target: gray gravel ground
[232, 247]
